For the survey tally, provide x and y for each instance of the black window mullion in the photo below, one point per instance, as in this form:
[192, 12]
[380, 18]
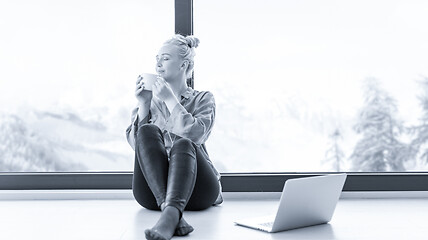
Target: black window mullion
[184, 17]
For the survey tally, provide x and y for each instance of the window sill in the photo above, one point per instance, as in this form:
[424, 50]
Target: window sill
[126, 194]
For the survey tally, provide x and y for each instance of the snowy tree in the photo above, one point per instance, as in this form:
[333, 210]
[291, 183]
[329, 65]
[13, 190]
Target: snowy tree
[420, 142]
[334, 155]
[379, 149]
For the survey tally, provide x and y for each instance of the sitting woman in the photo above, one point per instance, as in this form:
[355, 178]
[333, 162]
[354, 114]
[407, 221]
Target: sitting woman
[169, 128]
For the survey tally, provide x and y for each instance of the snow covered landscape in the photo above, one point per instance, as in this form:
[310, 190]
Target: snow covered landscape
[291, 137]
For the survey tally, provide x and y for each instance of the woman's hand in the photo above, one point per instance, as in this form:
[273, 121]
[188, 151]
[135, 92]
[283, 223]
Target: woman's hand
[163, 91]
[143, 96]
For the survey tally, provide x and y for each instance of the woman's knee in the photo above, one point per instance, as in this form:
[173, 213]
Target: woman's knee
[148, 129]
[148, 133]
[183, 144]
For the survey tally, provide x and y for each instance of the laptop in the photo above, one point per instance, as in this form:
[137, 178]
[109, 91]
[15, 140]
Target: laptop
[304, 202]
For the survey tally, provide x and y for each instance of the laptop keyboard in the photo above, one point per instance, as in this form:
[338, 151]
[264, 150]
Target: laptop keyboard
[268, 224]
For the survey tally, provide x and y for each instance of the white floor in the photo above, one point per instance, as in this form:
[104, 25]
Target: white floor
[124, 219]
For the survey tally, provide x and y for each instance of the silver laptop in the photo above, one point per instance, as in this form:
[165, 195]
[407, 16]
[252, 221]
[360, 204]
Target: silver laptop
[304, 202]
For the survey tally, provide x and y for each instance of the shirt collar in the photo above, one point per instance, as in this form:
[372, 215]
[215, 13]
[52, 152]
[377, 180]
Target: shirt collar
[189, 92]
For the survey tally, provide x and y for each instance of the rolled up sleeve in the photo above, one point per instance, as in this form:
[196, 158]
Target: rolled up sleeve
[196, 125]
[131, 131]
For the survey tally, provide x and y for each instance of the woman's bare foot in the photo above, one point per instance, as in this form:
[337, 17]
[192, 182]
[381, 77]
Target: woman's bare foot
[166, 225]
[183, 228]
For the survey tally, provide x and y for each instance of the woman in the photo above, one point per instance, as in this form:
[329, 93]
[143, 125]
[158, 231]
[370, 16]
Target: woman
[169, 128]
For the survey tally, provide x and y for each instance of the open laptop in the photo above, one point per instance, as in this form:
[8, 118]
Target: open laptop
[304, 202]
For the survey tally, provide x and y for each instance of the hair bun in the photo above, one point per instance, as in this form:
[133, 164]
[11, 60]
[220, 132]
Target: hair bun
[192, 42]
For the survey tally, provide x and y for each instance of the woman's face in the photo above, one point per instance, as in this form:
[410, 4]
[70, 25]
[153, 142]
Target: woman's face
[169, 63]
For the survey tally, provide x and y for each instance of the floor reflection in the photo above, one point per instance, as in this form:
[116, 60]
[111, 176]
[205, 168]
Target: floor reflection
[323, 231]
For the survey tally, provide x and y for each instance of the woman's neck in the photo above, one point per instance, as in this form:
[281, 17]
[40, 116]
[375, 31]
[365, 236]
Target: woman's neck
[178, 87]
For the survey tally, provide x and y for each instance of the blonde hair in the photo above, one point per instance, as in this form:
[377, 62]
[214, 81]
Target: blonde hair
[186, 46]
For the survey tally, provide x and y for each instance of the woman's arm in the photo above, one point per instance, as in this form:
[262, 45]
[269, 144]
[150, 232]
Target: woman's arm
[195, 126]
[142, 111]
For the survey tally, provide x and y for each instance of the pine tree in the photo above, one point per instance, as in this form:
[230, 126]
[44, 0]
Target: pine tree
[379, 149]
[421, 131]
[334, 155]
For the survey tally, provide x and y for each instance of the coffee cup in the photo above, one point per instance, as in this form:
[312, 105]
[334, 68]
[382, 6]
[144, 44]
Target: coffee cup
[149, 79]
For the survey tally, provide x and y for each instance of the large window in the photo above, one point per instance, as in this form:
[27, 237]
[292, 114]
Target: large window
[301, 86]
[309, 86]
[68, 70]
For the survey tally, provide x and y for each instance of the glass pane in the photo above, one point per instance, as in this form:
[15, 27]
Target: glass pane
[68, 70]
[315, 85]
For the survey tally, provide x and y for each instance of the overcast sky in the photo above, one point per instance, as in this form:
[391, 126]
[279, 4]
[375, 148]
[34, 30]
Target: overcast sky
[318, 49]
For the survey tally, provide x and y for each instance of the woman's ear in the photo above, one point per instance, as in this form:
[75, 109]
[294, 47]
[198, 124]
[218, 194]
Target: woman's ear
[185, 64]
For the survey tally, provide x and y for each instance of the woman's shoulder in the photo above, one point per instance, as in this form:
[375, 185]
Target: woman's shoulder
[203, 95]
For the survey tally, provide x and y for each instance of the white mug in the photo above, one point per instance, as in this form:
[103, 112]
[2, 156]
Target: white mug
[149, 79]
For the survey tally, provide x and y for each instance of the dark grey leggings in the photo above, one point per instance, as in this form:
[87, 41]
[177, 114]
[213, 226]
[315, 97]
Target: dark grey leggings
[186, 182]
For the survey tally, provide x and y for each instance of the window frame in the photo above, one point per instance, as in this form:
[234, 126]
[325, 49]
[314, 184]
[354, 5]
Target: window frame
[231, 182]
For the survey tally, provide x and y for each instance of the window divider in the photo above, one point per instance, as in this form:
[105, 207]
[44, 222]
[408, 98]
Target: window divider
[231, 182]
